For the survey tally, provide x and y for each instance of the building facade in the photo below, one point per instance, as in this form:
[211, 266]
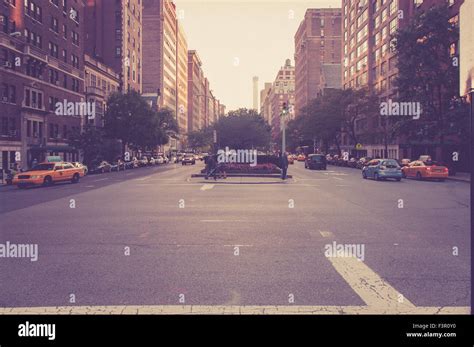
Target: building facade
[195, 90]
[370, 61]
[317, 41]
[182, 81]
[100, 81]
[282, 92]
[41, 67]
[114, 35]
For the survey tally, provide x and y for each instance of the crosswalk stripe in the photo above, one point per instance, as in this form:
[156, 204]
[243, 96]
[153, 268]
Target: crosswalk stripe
[207, 186]
[371, 288]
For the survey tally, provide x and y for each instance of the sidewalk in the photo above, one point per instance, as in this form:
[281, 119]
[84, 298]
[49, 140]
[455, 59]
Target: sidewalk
[461, 177]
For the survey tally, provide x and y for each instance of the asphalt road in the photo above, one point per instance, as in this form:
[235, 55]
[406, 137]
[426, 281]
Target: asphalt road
[182, 235]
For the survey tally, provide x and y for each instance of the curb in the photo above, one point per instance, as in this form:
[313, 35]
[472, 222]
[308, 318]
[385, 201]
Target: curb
[245, 175]
[458, 179]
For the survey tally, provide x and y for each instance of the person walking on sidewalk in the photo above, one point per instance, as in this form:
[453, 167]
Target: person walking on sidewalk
[284, 165]
[211, 167]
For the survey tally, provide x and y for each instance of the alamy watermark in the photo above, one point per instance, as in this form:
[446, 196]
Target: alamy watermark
[13, 250]
[241, 156]
[78, 108]
[335, 250]
[396, 108]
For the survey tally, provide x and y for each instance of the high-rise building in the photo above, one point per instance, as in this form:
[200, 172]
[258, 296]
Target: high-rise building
[466, 79]
[255, 93]
[41, 67]
[317, 42]
[282, 93]
[113, 36]
[195, 92]
[264, 102]
[370, 61]
[182, 80]
[159, 51]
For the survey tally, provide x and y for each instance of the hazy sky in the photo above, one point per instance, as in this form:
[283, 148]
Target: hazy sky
[239, 39]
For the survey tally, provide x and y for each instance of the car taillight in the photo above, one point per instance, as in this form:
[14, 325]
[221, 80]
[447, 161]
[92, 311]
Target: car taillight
[428, 168]
[445, 169]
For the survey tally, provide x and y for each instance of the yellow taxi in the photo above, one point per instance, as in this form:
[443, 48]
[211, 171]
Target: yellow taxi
[301, 157]
[48, 173]
[425, 170]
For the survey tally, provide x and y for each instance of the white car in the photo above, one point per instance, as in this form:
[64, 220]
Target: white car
[152, 161]
[159, 160]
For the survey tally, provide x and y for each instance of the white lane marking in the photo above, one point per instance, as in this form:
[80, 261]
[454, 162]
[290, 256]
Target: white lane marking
[222, 220]
[372, 289]
[101, 179]
[143, 178]
[338, 178]
[226, 309]
[207, 186]
[326, 233]
[88, 186]
[238, 245]
[342, 185]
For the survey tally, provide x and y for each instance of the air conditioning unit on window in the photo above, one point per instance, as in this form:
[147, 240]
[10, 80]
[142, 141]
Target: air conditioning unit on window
[8, 64]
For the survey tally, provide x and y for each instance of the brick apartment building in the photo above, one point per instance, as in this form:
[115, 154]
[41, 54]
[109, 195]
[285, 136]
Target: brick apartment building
[369, 61]
[41, 64]
[317, 42]
[195, 90]
[113, 36]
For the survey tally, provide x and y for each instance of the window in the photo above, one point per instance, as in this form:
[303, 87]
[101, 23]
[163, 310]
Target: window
[393, 26]
[33, 98]
[75, 37]
[53, 50]
[55, 24]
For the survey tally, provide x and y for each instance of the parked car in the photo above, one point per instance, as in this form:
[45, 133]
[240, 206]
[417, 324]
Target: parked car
[81, 166]
[143, 162]
[100, 167]
[119, 165]
[47, 174]
[188, 159]
[160, 160]
[381, 169]
[425, 157]
[405, 162]
[152, 161]
[452, 170]
[342, 162]
[290, 159]
[363, 162]
[315, 161]
[425, 170]
[129, 165]
[352, 162]
[301, 157]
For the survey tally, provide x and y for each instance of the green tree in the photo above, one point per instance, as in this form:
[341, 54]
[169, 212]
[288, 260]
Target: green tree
[243, 129]
[130, 119]
[201, 139]
[429, 74]
[94, 145]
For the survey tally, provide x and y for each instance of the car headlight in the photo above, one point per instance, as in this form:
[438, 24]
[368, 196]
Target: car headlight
[35, 177]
